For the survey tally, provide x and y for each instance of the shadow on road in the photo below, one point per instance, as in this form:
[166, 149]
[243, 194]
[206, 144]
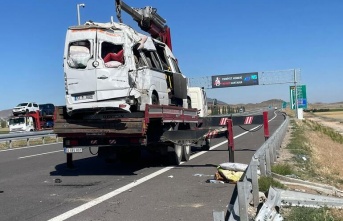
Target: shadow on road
[97, 166]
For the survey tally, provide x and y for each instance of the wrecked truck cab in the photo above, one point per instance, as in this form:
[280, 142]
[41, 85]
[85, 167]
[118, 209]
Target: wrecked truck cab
[109, 66]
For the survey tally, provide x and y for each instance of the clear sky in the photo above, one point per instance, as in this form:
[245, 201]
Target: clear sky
[208, 38]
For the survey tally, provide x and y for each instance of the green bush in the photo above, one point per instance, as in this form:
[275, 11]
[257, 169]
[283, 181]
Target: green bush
[310, 214]
[282, 169]
[3, 124]
[265, 182]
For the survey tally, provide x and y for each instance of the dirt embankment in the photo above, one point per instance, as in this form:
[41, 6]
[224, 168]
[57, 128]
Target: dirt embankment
[326, 154]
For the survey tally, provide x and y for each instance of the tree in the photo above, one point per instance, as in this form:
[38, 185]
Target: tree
[3, 123]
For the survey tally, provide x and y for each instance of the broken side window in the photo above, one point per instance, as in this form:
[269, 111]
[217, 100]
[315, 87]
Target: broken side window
[162, 54]
[138, 58]
[79, 54]
[112, 54]
[152, 59]
[174, 62]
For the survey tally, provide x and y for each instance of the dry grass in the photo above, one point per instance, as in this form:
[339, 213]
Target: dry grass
[324, 164]
[33, 142]
[334, 114]
[4, 130]
[326, 157]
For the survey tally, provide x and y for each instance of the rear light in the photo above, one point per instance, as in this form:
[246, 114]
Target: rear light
[142, 141]
[138, 140]
[122, 105]
[134, 140]
[74, 142]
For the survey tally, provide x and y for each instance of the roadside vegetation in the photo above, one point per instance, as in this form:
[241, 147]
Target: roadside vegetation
[32, 142]
[316, 155]
[4, 130]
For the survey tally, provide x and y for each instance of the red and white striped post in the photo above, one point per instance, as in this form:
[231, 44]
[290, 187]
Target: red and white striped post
[266, 125]
[230, 143]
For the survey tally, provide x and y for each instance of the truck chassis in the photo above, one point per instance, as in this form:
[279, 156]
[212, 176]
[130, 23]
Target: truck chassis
[167, 130]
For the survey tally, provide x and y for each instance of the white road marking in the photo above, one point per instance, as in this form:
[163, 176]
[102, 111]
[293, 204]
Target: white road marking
[109, 195]
[40, 154]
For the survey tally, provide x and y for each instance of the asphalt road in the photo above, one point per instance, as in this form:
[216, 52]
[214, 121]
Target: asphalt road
[36, 185]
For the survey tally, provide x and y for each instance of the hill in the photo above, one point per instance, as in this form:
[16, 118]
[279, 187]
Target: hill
[5, 114]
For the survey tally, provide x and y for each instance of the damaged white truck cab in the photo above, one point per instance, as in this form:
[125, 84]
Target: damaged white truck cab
[109, 66]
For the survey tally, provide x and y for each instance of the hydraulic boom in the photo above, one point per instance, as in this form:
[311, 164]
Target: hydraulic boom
[148, 20]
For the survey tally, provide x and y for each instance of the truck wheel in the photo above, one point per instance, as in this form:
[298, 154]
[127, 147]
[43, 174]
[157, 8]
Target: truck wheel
[186, 152]
[175, 156]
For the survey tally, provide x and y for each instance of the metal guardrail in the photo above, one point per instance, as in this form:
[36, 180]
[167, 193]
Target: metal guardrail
[247, 187]
[26, 136]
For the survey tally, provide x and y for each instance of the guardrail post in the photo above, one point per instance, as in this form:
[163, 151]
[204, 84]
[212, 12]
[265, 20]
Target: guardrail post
[268, 166]
[218, 216]
[43, 140]
[242, 201]
[10, 143]
[254, 182]
[28, 142]
[272, 154]
[262, 160]
[56, 139]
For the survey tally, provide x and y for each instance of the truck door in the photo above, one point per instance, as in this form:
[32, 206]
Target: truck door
[112, 81]
[80, 75]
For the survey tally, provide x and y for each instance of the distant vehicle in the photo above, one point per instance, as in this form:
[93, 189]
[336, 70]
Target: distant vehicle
[275, 108]
[25, 108]
[32, 121]
[46, 109]
[21, 124]
[241, 110]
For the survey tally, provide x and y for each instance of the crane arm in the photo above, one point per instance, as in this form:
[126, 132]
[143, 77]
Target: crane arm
[148, 20]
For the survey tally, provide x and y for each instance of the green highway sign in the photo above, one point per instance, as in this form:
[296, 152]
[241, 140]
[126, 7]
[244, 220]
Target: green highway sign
[301, 96]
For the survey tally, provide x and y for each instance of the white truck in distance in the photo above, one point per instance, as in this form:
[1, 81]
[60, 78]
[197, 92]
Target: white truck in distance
[198, 100]
[32, 121]
[21, 124]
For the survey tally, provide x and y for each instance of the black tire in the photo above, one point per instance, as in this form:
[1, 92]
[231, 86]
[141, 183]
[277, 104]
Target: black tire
[154, 99]
[186, 152]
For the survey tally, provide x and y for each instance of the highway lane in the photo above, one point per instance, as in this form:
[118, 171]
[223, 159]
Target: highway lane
[180, 193]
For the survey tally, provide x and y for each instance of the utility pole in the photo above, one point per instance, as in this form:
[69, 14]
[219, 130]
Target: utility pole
[78, 12]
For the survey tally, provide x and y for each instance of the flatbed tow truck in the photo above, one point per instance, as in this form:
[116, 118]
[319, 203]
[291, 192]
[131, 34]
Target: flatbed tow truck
[165, 129]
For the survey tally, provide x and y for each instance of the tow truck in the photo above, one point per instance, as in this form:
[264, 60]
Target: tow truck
[167, 126]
